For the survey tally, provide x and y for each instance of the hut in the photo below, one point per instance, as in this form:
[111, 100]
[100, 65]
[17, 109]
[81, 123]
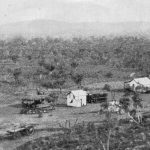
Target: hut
[76, 98]
[138, 84]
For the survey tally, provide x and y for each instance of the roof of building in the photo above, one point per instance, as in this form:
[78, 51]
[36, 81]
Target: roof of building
[142, 81]
[78, 92]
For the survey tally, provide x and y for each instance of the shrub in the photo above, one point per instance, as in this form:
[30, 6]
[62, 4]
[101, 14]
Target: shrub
[53, 97]
[47, 84]
[107, 87]
[79, 128]
[16, 73]
[109, 75]
[90, 127]
[74, 65]
[77, 78]
[14, 58]
[85, 88]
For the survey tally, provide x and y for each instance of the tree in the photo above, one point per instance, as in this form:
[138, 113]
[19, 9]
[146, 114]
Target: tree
[110, 124]
[77, 78]
[59, 83]
[16, 47]
[131, 105]
[16, 73]
[57, 76]
[74, 65]
[49, 67]
[108, 127]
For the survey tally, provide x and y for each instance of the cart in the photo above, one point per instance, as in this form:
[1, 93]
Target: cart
[97, 98]
[37, 109]
[36, 104]
[20, 130]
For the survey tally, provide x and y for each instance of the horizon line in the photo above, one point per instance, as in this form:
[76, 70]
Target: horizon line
[70, 22]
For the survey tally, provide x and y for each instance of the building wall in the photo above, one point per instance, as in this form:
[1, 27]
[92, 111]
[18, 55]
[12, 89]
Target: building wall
[77, 99]
[133, 84]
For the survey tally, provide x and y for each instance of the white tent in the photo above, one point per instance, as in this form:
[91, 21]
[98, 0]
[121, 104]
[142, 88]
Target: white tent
[76, 98]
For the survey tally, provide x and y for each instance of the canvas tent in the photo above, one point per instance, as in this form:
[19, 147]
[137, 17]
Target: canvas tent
[139, 84]
[76, 98]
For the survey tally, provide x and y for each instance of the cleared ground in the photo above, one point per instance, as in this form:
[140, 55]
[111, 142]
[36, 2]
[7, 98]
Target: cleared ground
[10, 113]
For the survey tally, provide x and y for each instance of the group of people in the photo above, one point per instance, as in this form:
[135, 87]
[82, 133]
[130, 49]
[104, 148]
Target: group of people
[134, 113]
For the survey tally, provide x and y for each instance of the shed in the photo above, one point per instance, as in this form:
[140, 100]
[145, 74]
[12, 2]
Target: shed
[76, 98]
[139, 84]
[96, 97]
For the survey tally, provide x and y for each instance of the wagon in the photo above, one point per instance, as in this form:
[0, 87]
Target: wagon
[32, 101]
[37, 109]
[20, 130]
[13, 131]
[97, 98]
[36, 104]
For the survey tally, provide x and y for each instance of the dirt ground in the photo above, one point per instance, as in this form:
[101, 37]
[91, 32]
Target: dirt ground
[10, 114]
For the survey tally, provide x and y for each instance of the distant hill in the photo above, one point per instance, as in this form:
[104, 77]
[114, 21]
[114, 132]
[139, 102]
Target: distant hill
[64, 29]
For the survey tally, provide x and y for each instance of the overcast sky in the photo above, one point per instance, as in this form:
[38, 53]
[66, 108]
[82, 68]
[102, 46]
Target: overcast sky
[75, 10]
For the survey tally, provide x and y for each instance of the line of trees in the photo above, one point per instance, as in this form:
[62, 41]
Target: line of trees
[40, 59]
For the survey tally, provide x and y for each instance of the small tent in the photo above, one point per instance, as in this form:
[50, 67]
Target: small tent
[76, 98]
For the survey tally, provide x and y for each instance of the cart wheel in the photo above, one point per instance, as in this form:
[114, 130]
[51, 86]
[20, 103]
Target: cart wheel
[30, 131]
